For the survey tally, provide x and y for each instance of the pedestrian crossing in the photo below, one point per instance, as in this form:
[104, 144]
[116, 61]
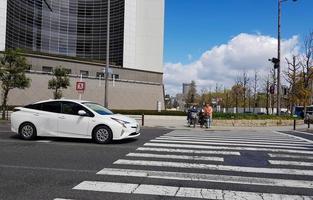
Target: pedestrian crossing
[212, 165]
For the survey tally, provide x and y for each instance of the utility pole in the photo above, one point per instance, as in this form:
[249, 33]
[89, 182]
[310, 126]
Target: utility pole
[278, 57]
[106, 104]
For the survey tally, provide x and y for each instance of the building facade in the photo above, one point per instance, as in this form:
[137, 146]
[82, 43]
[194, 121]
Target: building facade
[73, 35]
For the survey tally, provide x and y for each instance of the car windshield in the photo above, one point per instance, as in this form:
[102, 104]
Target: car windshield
[98, 108]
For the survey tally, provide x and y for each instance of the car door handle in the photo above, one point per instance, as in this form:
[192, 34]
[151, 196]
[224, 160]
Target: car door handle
[62, 117]
[36, 114]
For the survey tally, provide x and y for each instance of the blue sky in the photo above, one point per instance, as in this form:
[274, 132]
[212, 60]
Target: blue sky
[194, 26]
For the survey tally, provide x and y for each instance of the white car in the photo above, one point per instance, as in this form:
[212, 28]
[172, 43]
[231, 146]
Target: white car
[72, 118]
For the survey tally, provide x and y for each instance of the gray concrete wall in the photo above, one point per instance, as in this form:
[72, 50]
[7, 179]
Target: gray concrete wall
[124, 95]
[38, 61]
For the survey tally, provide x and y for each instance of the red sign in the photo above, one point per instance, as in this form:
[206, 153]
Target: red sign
[80, 86]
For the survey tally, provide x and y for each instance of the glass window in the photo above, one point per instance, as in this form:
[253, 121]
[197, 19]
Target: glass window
[47, 69]
[84, 73]
[98, 108]
[53, 106]
[36, 106]
[71, 108]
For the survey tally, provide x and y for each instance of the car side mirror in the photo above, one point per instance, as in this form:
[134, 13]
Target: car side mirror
[82, 113]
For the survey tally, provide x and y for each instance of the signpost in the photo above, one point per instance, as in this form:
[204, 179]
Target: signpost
[80, 87]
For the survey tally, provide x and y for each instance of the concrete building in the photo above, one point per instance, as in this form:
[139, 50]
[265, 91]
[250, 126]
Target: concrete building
[73, 35]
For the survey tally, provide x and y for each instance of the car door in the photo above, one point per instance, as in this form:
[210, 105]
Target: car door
[71, 124]
[48, 117]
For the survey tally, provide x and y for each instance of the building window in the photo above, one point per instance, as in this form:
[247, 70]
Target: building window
[84, 73]
[68, 71]
[100, 74]
[116, 76]
[47, 69]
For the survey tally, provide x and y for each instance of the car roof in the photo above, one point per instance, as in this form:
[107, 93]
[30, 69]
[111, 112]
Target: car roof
[63, 99]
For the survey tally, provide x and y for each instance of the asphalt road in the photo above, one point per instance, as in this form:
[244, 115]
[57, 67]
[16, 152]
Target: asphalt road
[160, 164]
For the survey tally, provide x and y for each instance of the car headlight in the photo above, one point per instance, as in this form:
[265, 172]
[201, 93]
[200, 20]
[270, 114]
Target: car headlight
[121, 122]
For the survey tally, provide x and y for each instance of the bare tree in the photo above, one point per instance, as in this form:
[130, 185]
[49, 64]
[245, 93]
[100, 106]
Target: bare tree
[255, 89]
[245, 82]
[307, 64]
[292, 77]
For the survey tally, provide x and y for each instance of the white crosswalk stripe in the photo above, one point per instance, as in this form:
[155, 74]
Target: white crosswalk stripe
[189, 151]
[149, 155]
[226, 148]
[213, 157]
[207, 177]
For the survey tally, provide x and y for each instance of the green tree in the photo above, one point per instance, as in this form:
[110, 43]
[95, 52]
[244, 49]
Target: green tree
[12, 74]
[59, 81]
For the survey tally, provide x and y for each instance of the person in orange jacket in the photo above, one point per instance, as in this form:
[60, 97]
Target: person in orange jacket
[208, 113]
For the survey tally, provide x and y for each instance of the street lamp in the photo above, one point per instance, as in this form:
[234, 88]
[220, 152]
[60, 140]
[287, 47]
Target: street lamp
[106, 104]
[278, 55]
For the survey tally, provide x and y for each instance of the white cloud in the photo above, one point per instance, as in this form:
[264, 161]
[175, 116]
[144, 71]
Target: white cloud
[223, 63]
[189, 57]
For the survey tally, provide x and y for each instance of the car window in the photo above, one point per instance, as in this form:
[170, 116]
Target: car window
[36, 106]
[98, 108]
[53, 106]
[71, 108]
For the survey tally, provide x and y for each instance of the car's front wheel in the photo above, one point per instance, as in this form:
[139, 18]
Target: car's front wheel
[27, 131]
[102, 135]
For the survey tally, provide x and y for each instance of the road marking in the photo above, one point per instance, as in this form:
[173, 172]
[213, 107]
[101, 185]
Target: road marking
[106, 187]
[226, 148]
[234, 137]
[225, 144]
[294, 163]
[236, 153]
[43, 141]
[292, 136]
[207, 178]
[186, 192]
[47, 168]
[236, 142]
[273, 155]
[148, 155]
[62, 199]
[157, 190]
[215, 167]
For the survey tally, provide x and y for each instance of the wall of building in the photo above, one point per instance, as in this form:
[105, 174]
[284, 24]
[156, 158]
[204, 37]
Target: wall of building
[3, 16]
[143, 34]
[123, 95]
[37, 62]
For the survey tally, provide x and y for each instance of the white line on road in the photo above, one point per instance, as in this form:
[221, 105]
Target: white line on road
[274, 155]
[226, 148]
[207, 178]
[183, 157]
[233, 137]
[247, 139]
[236, 142]
[294, 163]
[293, 136]
[215, 167]
[186, 192]
[225, 144]
[236, 153]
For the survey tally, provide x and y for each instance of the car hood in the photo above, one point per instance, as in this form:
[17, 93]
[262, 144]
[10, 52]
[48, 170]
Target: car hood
[124, 118]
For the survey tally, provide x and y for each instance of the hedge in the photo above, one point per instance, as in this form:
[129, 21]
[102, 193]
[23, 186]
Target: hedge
[216, 115]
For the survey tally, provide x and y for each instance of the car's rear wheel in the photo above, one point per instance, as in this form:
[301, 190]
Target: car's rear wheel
[27, 131]
[102, 135]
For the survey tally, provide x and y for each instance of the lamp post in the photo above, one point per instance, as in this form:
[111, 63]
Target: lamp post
[106, 104]
[278, 56]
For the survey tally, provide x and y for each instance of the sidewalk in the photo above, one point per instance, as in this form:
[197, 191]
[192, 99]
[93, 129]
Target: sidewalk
[180, 122]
